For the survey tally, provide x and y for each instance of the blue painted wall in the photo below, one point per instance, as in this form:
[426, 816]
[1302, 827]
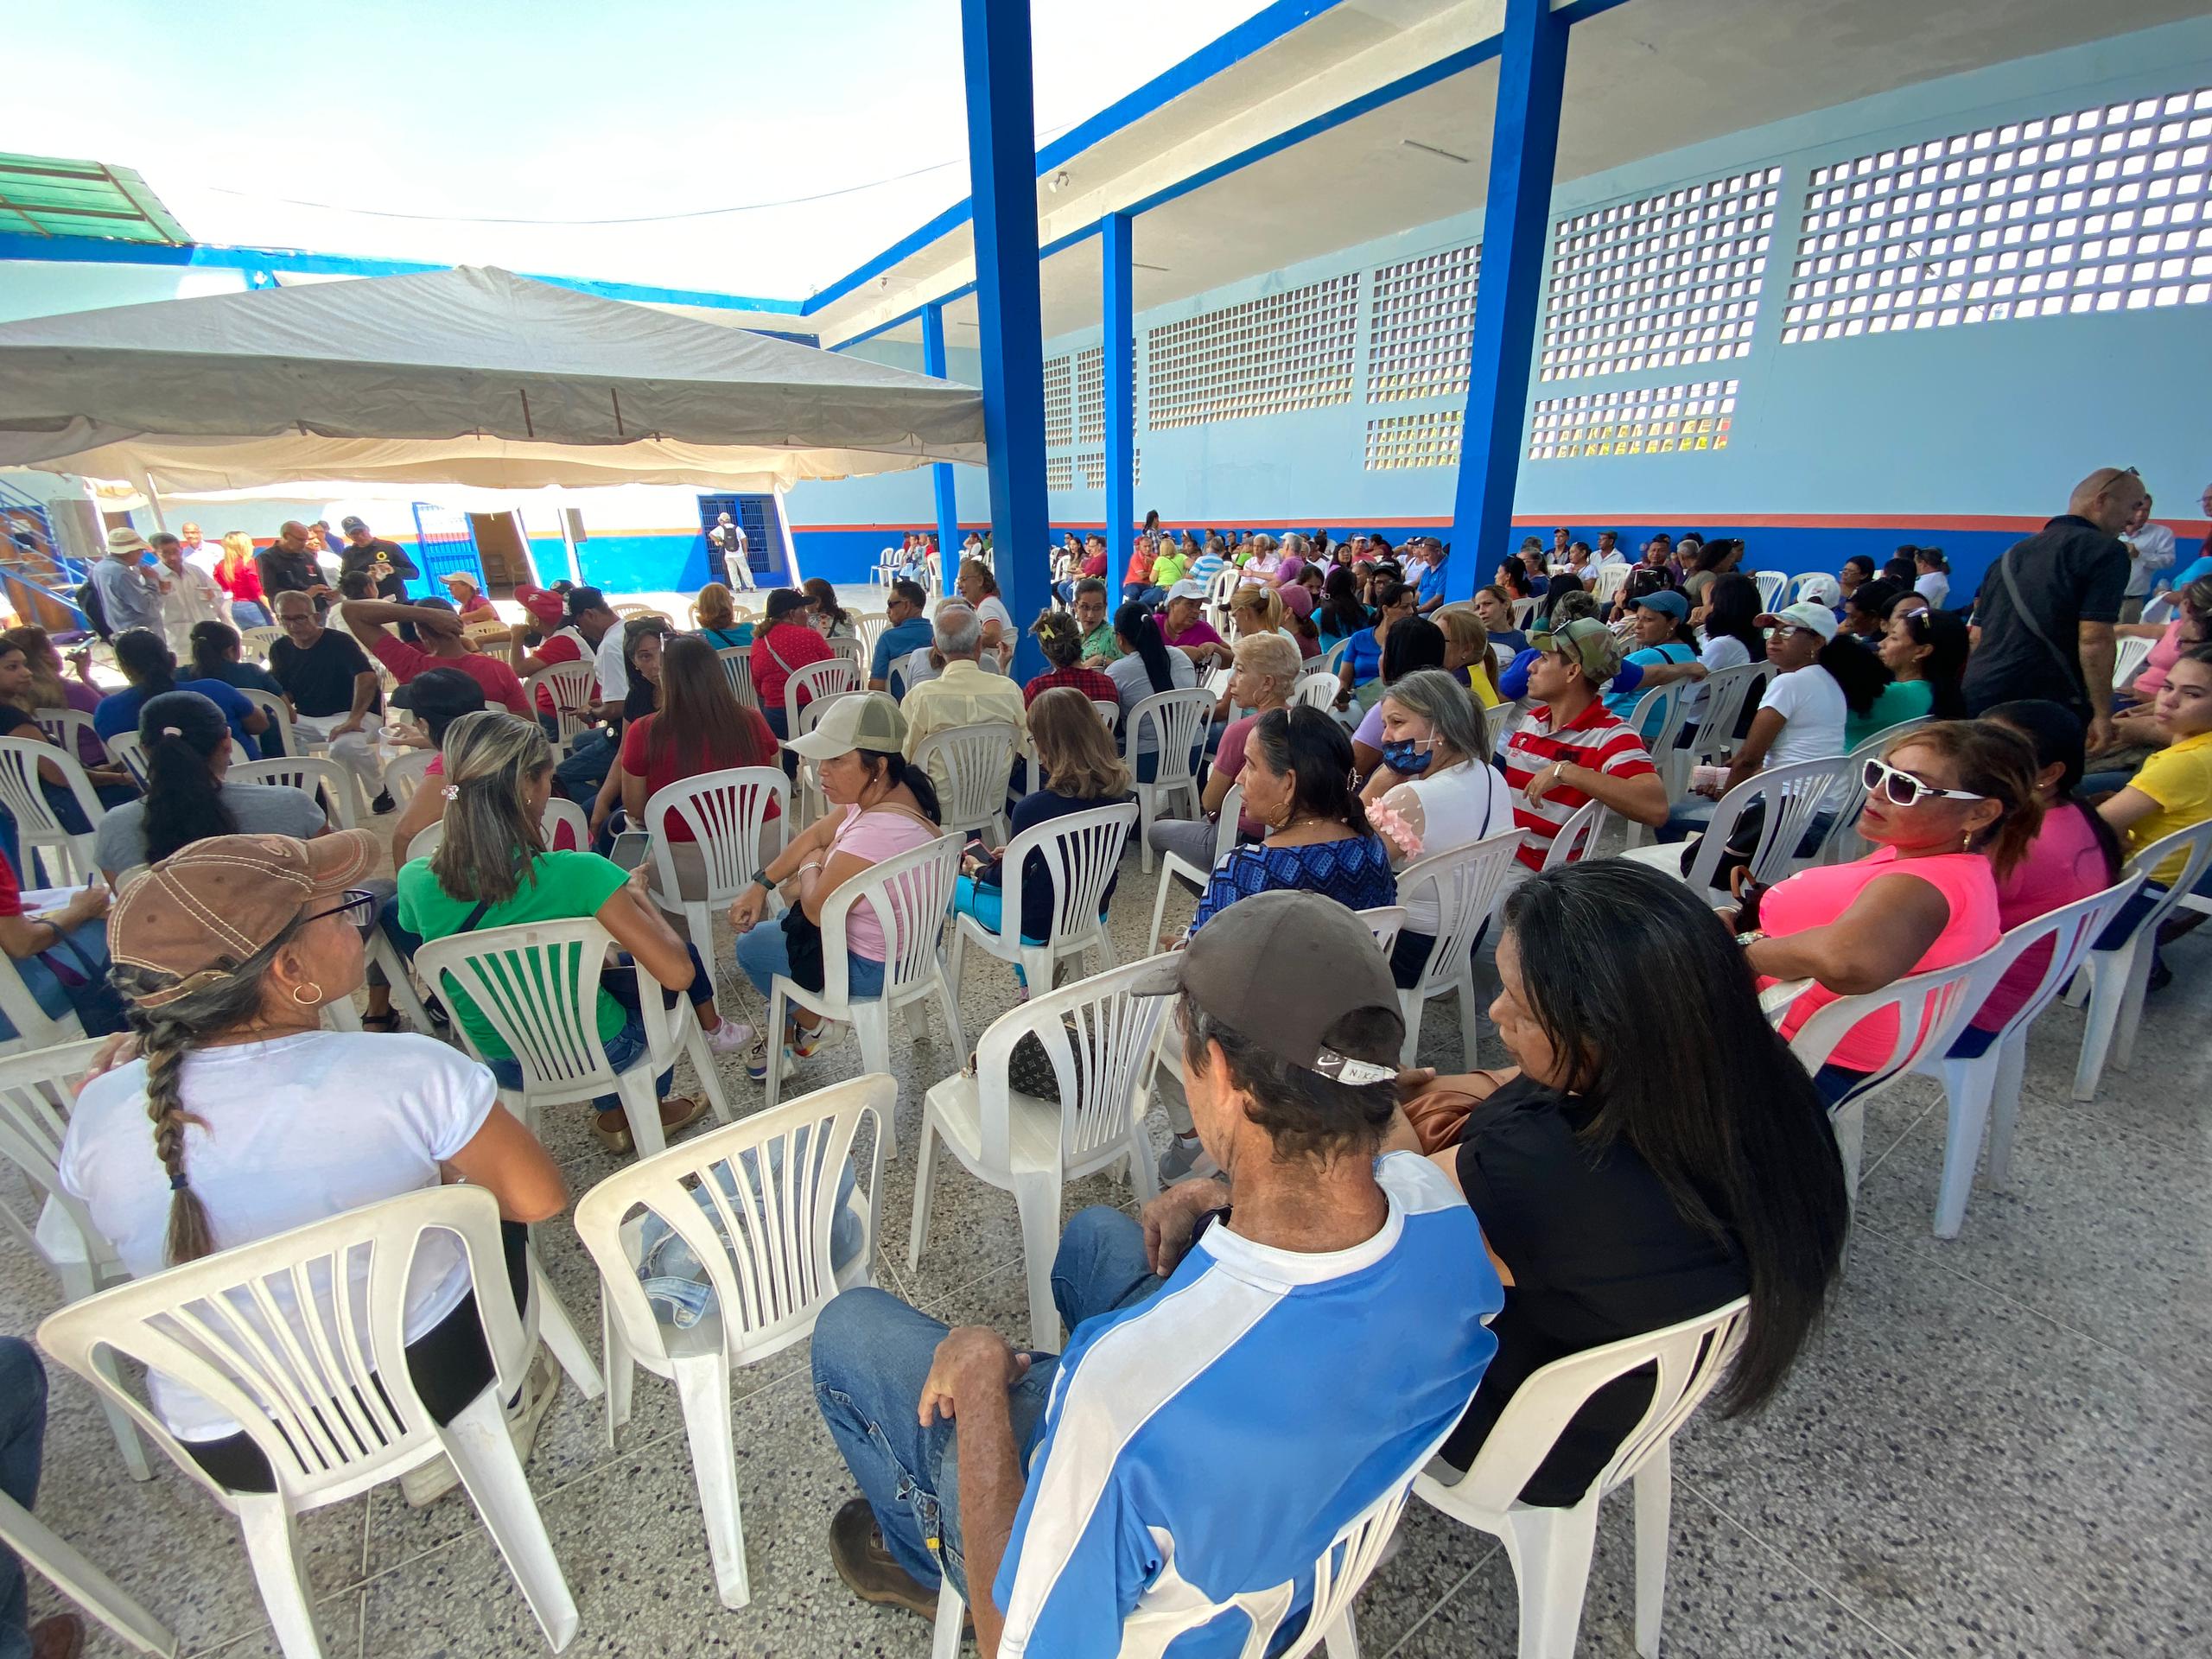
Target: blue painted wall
[1860, 444]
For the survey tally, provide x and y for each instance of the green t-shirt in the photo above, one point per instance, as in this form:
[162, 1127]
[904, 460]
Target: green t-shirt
[567, 886]
[1169, 568]
[1100, 642]
[1900, 700]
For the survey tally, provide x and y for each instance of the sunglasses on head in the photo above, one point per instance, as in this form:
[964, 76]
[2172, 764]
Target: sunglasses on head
[1902, 789]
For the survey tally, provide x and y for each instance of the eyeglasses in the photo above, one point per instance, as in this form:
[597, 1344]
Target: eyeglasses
[1902, 789]
[360, 908]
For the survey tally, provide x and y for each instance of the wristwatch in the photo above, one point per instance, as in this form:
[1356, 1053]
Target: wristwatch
[760, 880]
[1751, 937]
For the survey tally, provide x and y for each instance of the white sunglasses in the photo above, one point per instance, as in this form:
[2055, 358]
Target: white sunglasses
[1902, 789]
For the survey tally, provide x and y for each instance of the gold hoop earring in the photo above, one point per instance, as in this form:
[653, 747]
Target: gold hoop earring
[314, 999]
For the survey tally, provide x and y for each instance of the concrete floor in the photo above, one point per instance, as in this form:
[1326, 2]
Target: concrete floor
[1999, 1445]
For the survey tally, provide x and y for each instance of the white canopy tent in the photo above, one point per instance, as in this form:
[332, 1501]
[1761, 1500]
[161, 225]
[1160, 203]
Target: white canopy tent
[471, 377]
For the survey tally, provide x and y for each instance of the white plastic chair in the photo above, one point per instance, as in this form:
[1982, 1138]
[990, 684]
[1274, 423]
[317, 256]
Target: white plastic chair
[1386, 922]
[1178, 722]
[909, 894]
[1550, 1548]
[2160, 607]
[1332, 661]
[128, 750]
[1578, 837]
[1466, 882]
[834, 674]
[1109, 712]
[1524, 612]
[1099, 1039]
[254, 643]
[754, 1202]
[1606, 582]
[1718, 716]
[1930, 1009]
[405, 771]
[1991, 1079]
[1081, 852]
[2128, 656]
[320, 1382]
[568, 685]
[297, 739]
[1793, 797]
[538, 984]
[737, 668]
[1498, 720]
[727, 813]
[972, 767]
[308, 775]
[2117, 979]
[1772, 585]
[67, 858]
[1816, 586]
[64, 728]
[1843, 842]
[1173, 867]
[37, 1089]
[1662, 711]
[82, 1582]
[1315, 691]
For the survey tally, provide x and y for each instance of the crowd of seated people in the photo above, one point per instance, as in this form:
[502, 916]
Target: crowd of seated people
[1613, 1180]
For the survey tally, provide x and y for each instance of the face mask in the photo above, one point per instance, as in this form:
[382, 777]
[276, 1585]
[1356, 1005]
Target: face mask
[1409, 756]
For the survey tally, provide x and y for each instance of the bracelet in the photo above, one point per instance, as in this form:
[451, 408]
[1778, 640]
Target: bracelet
[1751, 937]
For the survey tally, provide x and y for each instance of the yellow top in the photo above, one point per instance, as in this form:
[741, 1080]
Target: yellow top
[2179, 779]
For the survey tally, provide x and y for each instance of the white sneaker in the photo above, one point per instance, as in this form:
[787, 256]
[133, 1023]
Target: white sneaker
[729, 1038]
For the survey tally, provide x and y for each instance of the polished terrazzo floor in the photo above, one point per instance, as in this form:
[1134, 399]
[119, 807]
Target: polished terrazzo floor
[1999, 1445]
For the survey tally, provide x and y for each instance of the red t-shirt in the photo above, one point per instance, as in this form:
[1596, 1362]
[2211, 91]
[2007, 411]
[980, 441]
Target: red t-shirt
[11, 896]
[561, 647]
[502, 687]
[636, 760]
[780, 651]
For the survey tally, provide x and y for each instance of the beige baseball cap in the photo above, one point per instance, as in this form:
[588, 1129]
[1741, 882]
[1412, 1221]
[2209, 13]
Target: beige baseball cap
[870, 721]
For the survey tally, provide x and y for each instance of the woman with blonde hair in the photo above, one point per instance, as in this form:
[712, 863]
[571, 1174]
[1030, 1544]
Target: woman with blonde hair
[1265, 671]
[238, 575]
[716, 608]
[1081, 771]
[1466, 651]
[494, 869]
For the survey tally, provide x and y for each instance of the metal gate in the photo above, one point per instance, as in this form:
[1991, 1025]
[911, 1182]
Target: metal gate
[756, 515]
[446, 542]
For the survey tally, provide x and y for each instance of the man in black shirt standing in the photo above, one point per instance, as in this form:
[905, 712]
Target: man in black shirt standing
[364, 550]
[288, 567]
[2045, 615]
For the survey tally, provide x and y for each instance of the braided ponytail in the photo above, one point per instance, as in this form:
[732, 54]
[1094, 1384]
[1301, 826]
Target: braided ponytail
[168, 1032]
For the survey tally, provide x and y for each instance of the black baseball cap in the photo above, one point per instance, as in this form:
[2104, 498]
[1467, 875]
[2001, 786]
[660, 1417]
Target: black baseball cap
[349, 525]
[1284, 970]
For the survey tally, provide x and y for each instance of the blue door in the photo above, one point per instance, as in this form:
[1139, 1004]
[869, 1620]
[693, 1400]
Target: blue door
[446, 542]
[764, 535]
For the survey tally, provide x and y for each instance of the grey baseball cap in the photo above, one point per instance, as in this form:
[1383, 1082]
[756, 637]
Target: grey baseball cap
[1283, 969]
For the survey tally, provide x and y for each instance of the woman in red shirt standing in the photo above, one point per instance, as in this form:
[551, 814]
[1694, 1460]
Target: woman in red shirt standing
[785, 643]
[238, 575]
[700, 727]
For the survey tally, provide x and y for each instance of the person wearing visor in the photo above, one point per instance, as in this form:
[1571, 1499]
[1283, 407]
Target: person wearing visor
[261, 1121]
[1951, 810]
[1221, 1364]
[1568, 749]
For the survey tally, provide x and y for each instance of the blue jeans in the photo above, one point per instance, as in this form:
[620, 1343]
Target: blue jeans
[22, 1438]
[248, 613]
[581, 775]
[987, 904]
[872, 1353]
[762, 954]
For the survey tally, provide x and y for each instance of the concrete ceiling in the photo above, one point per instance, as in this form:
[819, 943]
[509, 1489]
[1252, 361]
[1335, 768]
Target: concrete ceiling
[1644, 78]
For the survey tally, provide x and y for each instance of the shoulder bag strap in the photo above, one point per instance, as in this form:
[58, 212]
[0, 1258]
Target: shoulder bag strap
[2070, 667]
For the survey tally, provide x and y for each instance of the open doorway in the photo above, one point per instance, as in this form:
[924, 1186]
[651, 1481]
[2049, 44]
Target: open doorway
[503, 549]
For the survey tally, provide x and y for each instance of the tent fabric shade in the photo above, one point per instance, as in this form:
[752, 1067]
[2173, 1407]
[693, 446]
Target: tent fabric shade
[470, 376]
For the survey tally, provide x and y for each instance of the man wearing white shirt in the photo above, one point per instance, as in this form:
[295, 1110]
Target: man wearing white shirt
[1609, 551]
[189, 594]
[729, 540]
[2150, 549]
[205, 554]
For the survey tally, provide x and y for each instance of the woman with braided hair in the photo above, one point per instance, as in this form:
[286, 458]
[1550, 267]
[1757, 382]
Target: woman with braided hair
[261, 1121]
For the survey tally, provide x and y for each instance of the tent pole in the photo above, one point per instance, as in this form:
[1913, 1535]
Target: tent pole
[144, 481]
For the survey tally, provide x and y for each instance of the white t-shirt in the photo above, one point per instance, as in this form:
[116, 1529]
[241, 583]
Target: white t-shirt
[296, 1130]
[1934, 587]
[1134, 684]
[1811, 705]
[1446, 810]
[613, 673]
[1722, 650]
[993, 609]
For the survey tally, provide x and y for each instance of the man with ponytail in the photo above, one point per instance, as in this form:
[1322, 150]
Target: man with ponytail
[261, 1121]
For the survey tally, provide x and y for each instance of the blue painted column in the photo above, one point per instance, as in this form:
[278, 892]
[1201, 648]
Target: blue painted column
[1002, 182]
[1524, 144]
[941, 480]
[1114, 258]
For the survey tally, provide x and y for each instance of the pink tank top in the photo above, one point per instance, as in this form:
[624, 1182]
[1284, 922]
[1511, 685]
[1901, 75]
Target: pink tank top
[1816, 897]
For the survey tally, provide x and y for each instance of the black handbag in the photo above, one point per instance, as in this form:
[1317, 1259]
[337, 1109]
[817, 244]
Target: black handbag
[803, 945]
[1029, 1067]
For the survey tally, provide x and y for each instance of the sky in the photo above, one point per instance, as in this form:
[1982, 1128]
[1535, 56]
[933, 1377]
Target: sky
[238, 111]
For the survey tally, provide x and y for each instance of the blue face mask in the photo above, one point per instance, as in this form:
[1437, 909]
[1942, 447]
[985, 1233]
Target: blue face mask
[1409, 756]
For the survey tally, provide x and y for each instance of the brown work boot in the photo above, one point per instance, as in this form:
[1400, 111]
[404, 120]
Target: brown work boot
[62, 1636]
[869, 1570]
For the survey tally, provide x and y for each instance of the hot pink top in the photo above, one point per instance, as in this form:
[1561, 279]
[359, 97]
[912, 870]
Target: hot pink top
[1816, 897]
[2063, 863]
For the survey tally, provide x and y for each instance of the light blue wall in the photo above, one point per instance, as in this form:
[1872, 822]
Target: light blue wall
[1889, 434]
[32, 288]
